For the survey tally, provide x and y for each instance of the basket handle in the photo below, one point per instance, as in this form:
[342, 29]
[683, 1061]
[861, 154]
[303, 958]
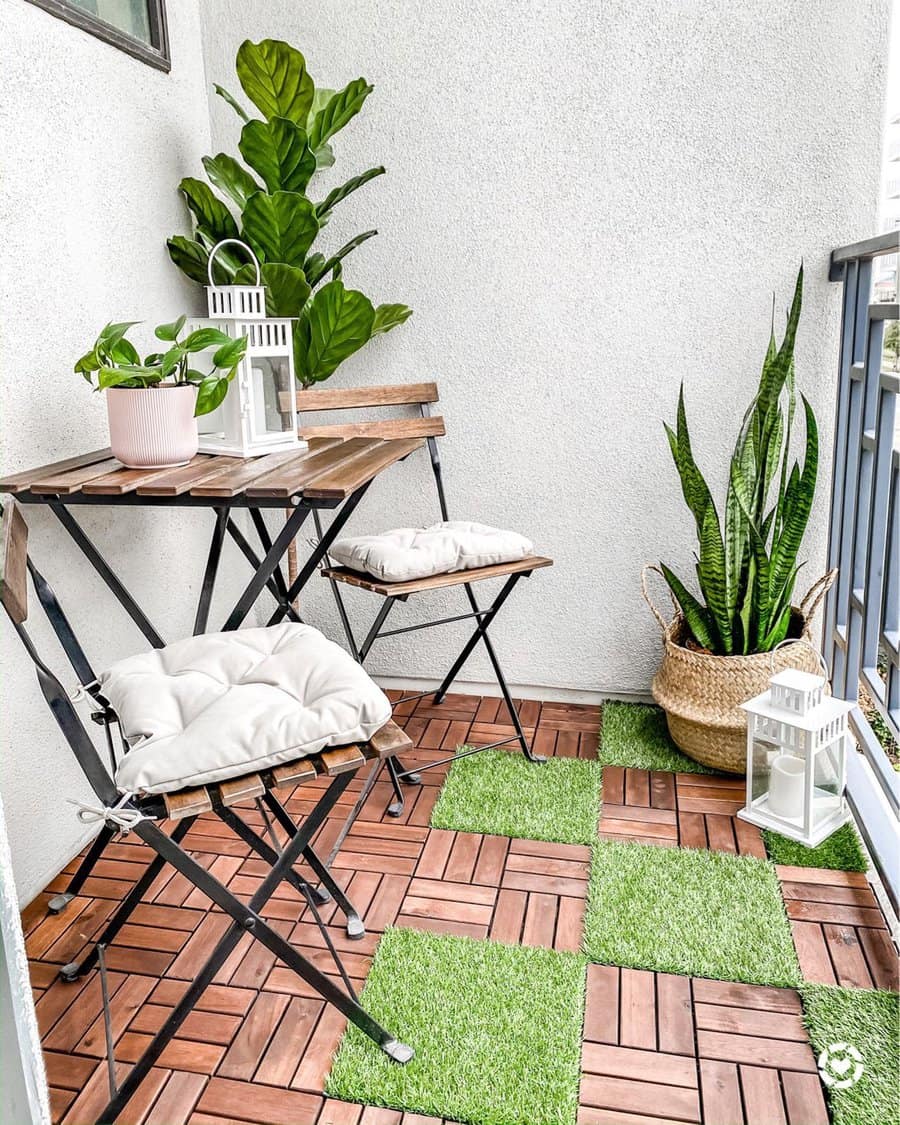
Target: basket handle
[799, 641]
[233, 242]
[663, 624]
[816, 593]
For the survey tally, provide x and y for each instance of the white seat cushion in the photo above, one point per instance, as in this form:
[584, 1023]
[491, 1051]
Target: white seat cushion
[408, 553]
[222, 705]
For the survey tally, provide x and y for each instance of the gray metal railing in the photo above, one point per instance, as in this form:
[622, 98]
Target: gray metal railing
[862, 613]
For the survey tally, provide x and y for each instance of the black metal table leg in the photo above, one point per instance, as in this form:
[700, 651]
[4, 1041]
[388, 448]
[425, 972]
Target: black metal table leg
[212, 567]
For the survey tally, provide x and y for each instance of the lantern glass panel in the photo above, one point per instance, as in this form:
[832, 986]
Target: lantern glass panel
[270, 377]
[761, 764]
[828, 780]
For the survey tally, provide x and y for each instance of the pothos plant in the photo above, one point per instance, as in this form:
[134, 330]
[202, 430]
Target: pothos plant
[263, 199]
[747, 565]
[113, 361]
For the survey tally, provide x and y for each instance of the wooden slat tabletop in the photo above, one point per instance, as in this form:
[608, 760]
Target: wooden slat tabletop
[330, 469]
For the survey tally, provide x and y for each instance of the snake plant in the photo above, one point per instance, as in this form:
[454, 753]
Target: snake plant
[263, 199]
[746, 565]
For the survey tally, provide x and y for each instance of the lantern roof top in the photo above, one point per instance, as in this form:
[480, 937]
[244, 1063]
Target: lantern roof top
[830, 708]
[797, 680]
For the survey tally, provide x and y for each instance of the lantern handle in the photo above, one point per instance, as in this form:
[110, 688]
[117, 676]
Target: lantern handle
[798, 641]
[234, 242]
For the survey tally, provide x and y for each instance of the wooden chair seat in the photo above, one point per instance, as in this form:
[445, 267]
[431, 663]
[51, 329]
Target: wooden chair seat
[385, 743]
[434, 581]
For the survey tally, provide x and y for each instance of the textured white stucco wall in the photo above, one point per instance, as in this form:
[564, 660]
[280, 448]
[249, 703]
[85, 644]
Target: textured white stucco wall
[586, 204]
[94, 143]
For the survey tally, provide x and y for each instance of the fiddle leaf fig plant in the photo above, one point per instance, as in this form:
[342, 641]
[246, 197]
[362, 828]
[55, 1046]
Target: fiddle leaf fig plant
[746, 566]
[264, 199]
[113, 361]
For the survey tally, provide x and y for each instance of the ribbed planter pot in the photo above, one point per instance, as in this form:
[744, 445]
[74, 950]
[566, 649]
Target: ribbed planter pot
[152, 427]
[702, 694]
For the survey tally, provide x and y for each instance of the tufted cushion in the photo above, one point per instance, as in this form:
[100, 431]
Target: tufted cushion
[222, 705]
[409, 553]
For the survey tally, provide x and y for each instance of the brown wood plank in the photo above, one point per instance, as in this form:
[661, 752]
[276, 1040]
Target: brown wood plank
[804, 1098]
[188, 802]
[637, 787]
[295, 773]
[288, 480]
[349, 398]
[756, 1051]
[601, 1010]
[21, 482]
[674, 1017]
[805, 911]
[122, 480]
[847, 956]
[345, 479]
[721, 834]
[816, 892]
[750, 1021]
[881, 955]
[436, 581]
[342, 759]
[243, 1056]
[691, 830]
[812, 952]
[759, 996]
[390, 740]
[762, 1095]
[643, 1097]
[749, 839]
[389, 428]
[638, 1009]
[14, 563]
[237, 478]
[241, 789]
[627, 1062]
[721, 1092]
[614, 785]
[64, 484]
[175, 482]
[821, 875]
[662, 790]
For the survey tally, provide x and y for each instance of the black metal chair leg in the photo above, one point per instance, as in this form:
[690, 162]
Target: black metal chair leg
[396, 808]
[76, 969]
[59, 902]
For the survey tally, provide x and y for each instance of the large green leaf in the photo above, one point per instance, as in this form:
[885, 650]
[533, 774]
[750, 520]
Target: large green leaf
[286, 288]
[190, 257]
[273, 76]
[230, 177]
[209, 212]
[389, 316]
[340, 109]
[711, 573]
[278, 151]
[697, 617]
[334, 324]
[797, 507]
[280, 227]
[334, 197]
[315, 274]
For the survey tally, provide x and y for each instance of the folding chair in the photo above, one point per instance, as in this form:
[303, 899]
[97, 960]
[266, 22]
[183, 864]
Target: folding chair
[123, 810]
[420, 396]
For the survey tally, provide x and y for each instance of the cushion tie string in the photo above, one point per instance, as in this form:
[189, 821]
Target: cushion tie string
[124, 819]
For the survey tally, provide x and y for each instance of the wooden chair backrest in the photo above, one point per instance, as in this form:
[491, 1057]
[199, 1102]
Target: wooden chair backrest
[14, 562]
[357, 398]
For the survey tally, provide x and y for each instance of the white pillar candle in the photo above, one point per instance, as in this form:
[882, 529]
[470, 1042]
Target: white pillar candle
[786, 787]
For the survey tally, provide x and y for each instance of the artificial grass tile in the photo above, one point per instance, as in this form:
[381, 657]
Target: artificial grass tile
[698, 913]
[842, 851]
[501, 793]
[868, 1020]
[635, 735]
[496, 1030]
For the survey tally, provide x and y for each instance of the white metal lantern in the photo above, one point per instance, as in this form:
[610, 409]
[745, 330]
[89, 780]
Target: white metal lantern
[797, 739]
[259, 413]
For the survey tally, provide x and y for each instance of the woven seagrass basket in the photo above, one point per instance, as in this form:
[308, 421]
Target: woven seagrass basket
[701, 693]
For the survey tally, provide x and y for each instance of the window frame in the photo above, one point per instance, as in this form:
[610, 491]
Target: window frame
[155, 53]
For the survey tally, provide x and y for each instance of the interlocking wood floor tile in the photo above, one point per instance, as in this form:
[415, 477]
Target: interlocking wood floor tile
[690, 810]
[696, 1051]
[838, 927]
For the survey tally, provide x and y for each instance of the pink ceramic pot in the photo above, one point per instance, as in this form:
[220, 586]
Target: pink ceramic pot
[152, 427]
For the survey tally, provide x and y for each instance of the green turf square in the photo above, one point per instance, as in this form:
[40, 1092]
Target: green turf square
[680, 910]
[635, 735]
[842, 851]
[869, 1021]
[496, 1030]
[501, 793]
